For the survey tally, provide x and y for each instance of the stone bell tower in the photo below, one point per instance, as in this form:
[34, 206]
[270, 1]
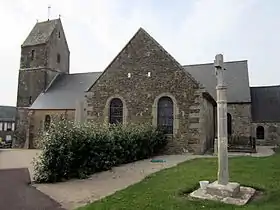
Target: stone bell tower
[44, 55]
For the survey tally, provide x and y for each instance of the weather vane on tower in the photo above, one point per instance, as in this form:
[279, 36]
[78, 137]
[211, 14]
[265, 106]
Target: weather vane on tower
[49, 12]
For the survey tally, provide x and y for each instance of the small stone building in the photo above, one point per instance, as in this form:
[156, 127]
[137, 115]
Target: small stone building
[7, 123]
[143, 84]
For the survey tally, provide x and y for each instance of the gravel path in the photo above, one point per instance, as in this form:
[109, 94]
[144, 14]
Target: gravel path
[75, 193]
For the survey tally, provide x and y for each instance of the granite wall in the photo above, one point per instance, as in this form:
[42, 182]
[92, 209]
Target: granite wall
[241, 119]
[271, 133]
[36, 122]
[142, 73]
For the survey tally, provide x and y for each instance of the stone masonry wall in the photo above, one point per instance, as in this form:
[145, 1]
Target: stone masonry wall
[271, 133]
[207, 120]
[241, 119]
[141, 74]
[40, 58]
[45, 55]
[31, 83]
[38, 119]
[58, 45]
[38, 66]
[21, 127]
[202, 127]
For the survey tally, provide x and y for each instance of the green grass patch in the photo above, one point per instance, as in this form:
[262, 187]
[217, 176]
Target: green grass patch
[167, 189]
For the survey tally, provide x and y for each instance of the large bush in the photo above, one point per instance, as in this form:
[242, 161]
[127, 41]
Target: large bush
[76, 151]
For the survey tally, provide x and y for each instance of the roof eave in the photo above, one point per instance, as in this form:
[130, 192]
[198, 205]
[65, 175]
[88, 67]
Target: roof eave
[34, 45]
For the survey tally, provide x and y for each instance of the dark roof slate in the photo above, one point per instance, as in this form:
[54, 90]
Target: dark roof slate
[236, 77]
[265, 104]
[65, 90]
[7, 113]
[40, 33]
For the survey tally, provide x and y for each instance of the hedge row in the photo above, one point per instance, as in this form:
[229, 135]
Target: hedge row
[76, 151]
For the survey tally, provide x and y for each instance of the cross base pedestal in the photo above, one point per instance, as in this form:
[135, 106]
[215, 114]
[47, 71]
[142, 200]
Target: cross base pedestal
[232, 193]
[229, 190]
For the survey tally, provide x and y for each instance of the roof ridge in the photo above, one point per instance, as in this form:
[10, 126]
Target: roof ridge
[265, 86]
[7, 106]
[90, 72]
[50, 84]
[40, 33]
[51, 20]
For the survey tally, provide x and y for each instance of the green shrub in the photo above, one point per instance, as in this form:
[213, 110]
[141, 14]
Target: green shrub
[76, 151]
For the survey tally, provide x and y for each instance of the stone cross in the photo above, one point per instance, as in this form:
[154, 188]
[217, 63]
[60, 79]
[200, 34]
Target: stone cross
[223, 174]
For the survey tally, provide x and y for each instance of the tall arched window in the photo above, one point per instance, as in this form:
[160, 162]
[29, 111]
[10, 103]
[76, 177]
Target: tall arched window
[229, 124]
[116, 111]
[260, 132]
[58, 58]
[47, 122]
[165, 114]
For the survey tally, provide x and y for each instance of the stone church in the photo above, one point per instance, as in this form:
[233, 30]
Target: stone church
[143, 83]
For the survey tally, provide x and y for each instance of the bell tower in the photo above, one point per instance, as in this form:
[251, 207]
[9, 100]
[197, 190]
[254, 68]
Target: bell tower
[44, 54]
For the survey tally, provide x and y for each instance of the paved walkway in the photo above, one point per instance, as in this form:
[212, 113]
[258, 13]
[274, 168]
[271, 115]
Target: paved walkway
[16, 193]
[18, 158]
[75, 193]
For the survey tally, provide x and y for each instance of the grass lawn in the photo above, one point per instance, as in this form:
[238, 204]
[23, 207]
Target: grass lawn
[164, 189]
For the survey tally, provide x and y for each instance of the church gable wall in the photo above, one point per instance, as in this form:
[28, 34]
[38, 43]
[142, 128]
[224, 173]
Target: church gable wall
[138, 76]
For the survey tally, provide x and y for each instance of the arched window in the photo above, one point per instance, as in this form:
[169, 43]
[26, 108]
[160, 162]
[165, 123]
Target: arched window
[165, 114]
[116, 111]
[229, 124]
[30, 100]
[47, 122]
[260, 132]
[58, 58]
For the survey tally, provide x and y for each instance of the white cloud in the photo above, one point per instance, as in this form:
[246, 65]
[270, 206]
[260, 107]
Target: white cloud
[97, 30]
[208, 27]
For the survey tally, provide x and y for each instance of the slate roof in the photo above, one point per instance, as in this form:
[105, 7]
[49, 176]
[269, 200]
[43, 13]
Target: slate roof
[7, 113]
[65, 90]
[236, 76]
[40, 33]
[265, 104]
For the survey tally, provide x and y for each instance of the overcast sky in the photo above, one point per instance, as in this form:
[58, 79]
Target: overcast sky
[193, 31]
